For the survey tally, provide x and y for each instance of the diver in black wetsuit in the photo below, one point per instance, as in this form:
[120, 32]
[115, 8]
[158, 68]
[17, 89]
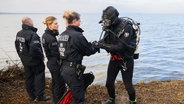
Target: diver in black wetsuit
[121, 54]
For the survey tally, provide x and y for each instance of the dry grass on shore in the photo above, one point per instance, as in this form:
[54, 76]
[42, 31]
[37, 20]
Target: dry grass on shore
[12, 91]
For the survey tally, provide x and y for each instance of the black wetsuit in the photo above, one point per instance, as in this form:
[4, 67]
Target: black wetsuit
[29, 49]
[121, 56]
[50, 45]
[77, 47]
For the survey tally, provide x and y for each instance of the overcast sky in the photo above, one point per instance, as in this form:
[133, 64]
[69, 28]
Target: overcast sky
[92, 6]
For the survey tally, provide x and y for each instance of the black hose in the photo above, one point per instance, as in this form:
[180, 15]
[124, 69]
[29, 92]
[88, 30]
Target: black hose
[120, 39]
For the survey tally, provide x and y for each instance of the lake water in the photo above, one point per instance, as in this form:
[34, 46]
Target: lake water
[161, 46]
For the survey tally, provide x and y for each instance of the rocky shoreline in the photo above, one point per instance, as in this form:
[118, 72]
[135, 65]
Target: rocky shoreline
[12, 90]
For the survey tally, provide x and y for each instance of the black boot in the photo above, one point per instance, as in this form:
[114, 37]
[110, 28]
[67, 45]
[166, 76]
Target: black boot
[133, 102]
[42, 98]
[109, 101]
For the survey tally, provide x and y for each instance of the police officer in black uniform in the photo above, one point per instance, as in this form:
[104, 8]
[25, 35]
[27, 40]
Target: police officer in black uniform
[73, 46]
[29, 49]
[50, 45]
[120, 44]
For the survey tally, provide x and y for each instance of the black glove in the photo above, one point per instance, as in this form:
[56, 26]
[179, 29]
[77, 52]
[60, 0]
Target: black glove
[97, 44]
[94, 45]
[98, 50]
[107, 47]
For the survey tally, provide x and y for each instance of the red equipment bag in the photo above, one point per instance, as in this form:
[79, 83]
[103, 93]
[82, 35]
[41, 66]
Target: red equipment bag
[66, 98]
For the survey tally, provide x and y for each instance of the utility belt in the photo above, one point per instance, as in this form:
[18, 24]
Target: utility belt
[79, 68]
[70, 64]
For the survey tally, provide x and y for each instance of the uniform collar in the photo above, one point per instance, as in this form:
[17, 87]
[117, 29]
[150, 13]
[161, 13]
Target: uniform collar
[27, 27]
[52, 32]
[76, 28]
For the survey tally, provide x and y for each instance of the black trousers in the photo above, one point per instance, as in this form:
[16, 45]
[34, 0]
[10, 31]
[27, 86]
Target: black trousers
[77, 85]
[113, 70]
[58, 84]
[35, 80]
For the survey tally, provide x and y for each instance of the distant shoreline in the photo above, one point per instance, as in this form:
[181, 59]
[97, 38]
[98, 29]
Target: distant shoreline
[1, 13]
[13, 13]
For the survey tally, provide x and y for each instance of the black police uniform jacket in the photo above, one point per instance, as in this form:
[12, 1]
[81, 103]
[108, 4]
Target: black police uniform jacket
[28, 46]
[50, 43]
[78, 45]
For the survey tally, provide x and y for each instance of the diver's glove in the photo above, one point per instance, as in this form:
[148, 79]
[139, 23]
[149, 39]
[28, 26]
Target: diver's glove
[107, 47]
[97, 44]
[94, 44]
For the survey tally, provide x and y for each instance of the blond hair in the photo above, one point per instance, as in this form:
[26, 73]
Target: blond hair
[49, 20]
[69, 16]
